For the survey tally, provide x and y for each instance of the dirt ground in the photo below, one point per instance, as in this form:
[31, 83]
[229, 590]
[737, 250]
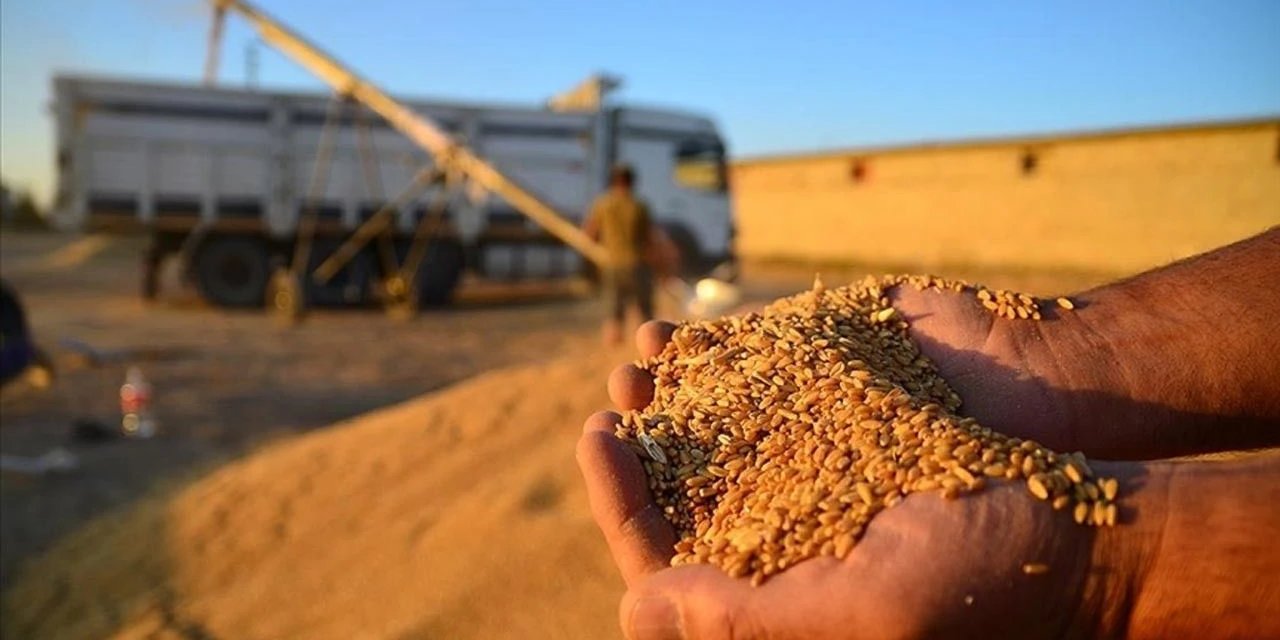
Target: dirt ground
[457, 515]
[223, 382]
[454, 514]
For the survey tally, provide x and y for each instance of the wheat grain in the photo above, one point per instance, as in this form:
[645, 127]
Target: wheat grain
[776, 436]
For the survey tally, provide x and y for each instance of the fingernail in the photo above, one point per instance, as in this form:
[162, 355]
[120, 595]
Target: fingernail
[655, 618]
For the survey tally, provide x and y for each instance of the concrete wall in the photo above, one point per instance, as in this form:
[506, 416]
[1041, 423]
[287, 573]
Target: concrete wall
[1107, 202]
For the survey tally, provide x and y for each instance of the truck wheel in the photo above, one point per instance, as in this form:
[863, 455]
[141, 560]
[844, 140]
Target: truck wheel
[232, 271]
[439, 274]
[351, 285]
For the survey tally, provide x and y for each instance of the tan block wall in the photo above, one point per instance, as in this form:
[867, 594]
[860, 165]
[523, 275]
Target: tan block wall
[1116, 203]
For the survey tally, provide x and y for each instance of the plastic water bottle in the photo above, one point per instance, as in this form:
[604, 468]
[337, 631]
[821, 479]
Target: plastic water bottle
[135, 406]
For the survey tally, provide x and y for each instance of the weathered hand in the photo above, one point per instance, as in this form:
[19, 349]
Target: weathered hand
[925, 567]
[1016, 376]
[1176, 361]
[1009, 372]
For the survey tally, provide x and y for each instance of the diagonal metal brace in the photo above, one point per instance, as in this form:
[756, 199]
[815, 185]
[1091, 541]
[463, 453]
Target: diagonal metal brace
[422, 131]
[377, 223]
[427, 228]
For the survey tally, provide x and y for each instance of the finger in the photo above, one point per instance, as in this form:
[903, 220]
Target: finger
[696, 602]
[604, 421]
[653, 336]
[630, 387]
[640, 538]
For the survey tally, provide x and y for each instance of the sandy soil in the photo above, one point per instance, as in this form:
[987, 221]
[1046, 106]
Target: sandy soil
[224, 382]
[459, 515]
[456, 514]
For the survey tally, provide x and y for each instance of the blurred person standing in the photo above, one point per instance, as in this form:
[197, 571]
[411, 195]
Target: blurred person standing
[620, 222]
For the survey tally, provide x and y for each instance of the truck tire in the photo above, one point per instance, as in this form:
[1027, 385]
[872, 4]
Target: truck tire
[232, 271]
[351, 285]
[440, 273]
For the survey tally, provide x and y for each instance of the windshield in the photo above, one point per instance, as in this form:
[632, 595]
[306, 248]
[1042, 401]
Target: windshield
[700, 164]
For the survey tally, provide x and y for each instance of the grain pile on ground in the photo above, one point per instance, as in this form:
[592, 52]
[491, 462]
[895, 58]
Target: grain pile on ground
[225, 383]
[458, 515]
[777, 436]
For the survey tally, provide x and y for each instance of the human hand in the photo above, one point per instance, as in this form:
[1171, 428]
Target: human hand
[1014, 376]
[924, 567]
[1030, 379]
[1176, 361]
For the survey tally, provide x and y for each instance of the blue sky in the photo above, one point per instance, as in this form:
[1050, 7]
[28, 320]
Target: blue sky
[778, 76]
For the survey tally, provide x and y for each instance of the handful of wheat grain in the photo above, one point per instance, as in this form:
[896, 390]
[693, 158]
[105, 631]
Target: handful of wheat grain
[777, 436]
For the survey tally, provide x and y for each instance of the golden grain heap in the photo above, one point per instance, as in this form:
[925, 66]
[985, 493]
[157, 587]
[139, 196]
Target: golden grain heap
[776, 436]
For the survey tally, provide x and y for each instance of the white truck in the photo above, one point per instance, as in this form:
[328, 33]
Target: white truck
[223, 178]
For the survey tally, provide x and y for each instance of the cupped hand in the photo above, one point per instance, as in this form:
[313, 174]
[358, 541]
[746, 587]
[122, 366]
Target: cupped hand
[926, 567]
[1017, 376]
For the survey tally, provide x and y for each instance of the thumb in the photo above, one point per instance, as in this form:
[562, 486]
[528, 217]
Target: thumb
[696, 602]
